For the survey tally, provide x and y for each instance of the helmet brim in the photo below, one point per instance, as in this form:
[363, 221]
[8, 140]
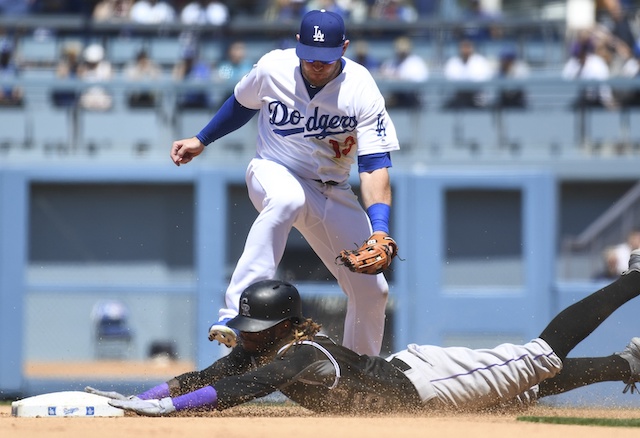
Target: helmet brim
[324, 54]
[252, 325]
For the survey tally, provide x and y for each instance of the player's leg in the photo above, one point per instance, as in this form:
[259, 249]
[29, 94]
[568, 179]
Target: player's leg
[342, 223]
[577, 321]
[580, 319]
[578, 372]
[279, 199]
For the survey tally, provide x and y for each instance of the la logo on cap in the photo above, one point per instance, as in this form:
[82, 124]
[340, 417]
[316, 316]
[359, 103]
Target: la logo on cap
[321, 36]
[317, 34]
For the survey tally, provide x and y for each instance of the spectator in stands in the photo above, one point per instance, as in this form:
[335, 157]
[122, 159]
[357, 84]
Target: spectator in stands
[427, 8]
[362, 55]
[112, 10]
[611, 45]
[584, 64]
[248, 8]
[329, 5]
[511, 67]
[631, 69]
[612, 15]
[95, 69]
[358, 10]
[16, 7]
[60, 7]
[192, 69]
[467, 66]
[480, 24]
[142, 69]
[152, 12]
[205, 12]
[394, 10]
[404, 66]
[624, 249]
[610, 270]
[286, 10]
[68, 67]
[235, 64]
[10, 94]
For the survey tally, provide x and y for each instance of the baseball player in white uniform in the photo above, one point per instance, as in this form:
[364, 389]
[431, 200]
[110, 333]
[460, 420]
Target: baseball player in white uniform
[319, 113]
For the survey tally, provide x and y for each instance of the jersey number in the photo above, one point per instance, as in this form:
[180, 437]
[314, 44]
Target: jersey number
[342, 149]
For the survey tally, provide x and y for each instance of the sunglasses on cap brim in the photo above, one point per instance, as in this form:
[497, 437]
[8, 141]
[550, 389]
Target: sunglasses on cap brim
[311, 61]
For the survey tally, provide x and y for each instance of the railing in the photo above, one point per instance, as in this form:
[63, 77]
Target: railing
[610, 228]
[548, 130]
[249, 27]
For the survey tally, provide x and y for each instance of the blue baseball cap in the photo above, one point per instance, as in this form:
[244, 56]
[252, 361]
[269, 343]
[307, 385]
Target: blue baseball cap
[322, 36]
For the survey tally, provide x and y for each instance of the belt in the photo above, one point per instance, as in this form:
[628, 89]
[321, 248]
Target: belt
[400, 364]
[329, 183]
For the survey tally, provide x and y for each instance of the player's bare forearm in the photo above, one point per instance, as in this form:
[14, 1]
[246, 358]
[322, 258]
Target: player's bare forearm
[185, 150]
[375, 187]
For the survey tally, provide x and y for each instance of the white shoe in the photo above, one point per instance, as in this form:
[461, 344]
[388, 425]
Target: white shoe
[632, 355]
[223, 334]
[634, 261]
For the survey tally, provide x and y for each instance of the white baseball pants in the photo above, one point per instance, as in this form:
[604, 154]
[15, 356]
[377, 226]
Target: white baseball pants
[331, 219]
[466, 378]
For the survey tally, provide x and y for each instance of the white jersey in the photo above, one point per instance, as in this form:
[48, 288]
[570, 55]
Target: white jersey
[319, 137]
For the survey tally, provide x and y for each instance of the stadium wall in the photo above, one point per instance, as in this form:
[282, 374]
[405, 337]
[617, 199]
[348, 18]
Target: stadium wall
[45, 302]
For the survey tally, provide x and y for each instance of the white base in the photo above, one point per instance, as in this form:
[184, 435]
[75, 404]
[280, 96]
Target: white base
[65, 404]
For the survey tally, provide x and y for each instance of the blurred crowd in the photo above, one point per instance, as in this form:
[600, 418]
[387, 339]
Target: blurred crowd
[610, 48]
[219, 11]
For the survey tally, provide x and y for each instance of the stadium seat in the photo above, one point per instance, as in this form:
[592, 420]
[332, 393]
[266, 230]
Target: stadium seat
[436, 133]
[539, 134]
[13, 128]
[535, 52]
[121, 51]
[256, 49]
[212, 51]
[634, 127]
[165, 51]
[405, 121]
[604, 129]
[121, 130]
[51, 128]
[476, 131]
[190, 122]
[36, 51]
[113, 335]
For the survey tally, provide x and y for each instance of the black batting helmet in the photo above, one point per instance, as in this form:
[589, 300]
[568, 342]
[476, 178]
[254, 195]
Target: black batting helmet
[265, 304]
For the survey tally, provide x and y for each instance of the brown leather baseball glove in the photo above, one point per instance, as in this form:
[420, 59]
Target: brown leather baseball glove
[373, 257]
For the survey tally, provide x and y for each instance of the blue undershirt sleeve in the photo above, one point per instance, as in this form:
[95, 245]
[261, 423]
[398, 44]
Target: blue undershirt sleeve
[230, 116]
[371, 162]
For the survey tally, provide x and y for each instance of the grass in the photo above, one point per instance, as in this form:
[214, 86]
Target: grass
[582, 421]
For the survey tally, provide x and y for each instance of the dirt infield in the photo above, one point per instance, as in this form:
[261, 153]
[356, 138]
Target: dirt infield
[291, 421]
[288, 420]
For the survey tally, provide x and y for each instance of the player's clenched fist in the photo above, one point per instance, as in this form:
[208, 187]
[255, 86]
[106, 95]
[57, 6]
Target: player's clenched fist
[185, 150]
